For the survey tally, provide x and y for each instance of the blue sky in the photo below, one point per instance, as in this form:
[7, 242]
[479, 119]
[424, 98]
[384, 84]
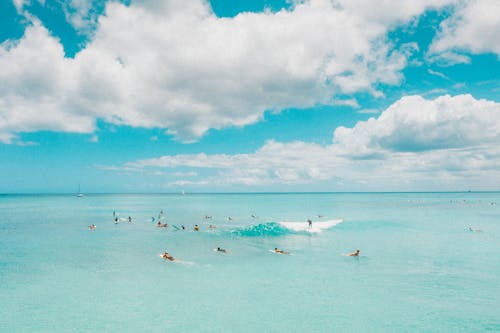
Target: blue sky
[320, 95]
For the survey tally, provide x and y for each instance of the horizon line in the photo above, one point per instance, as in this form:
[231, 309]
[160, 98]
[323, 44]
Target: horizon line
[247, 192]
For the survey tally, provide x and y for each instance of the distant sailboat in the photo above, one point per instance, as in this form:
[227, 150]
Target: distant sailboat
[80, 194]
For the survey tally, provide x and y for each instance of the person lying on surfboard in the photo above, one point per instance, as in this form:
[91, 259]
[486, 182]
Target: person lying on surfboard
[167, 256]
[280, 251]
[354, 254]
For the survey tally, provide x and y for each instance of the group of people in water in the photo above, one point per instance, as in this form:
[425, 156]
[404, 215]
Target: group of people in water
[169, 257]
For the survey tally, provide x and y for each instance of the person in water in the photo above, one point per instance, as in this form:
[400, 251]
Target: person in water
[129, 219]
[196, 227]
[167, 256]
[92, 227]
[161, 225]
[354, 254]
[310, 223]
[276, 250]
[219, 249]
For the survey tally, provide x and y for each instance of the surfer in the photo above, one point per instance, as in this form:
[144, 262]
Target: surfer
[183, 227]
[276, 250]
[161, 225]
[354, 254]
[167, 256]
[129, 219]
[196, 228]
[208, 217]
[116, 220]
[253, 216]
[310, 223]
[219, 249]
[474, 230]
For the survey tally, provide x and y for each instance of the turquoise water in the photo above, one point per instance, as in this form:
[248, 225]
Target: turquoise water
[420, 270]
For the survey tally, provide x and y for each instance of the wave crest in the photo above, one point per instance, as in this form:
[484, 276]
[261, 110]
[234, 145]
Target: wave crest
[284, 228]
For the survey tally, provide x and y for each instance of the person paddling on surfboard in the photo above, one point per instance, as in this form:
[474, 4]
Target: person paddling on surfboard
[354, 254]
[280, 251]
[167, 256]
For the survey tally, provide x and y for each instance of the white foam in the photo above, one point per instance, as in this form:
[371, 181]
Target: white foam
[315, 228]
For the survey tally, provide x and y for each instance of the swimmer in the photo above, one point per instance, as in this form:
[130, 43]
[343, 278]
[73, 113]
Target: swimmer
[253, 216]
[319, 216]
[229, 218]
[276, 250]
[208, 217]
[129, 219]
[167, 256]
[92, 227]
[183, 227]
[474, 230]
[212, 226]
[354, 254]
[219, 249]
[196, 228]
[116, 220]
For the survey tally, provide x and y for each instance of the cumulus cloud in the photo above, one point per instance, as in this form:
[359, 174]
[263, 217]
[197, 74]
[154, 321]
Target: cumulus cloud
[473, 27]
[82, 14]
[175, 65]
[415, 124]
[447, 141]
[36, 91]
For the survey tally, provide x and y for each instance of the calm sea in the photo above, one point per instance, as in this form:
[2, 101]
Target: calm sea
[421, 268]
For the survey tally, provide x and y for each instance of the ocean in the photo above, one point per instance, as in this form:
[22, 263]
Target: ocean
[420, 269]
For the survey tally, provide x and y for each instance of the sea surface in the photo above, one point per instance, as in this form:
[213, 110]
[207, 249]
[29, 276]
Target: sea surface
[421, 268]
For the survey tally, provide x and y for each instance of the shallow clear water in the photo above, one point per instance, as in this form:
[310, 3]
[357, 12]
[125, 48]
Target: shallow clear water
[420, 269]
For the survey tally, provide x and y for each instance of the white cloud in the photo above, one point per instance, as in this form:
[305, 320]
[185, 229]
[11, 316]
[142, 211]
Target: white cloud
[474, 27]
[80, 14]
[447, 142]
[36, 87]
[369, 111]
[19, 5]
[415, 124]
[438, 74]
[352, 102]
[175, 65]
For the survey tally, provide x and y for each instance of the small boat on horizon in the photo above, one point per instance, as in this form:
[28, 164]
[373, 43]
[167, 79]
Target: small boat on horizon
[79, 194]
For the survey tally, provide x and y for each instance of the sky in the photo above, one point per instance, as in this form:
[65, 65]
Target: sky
[164, 96]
